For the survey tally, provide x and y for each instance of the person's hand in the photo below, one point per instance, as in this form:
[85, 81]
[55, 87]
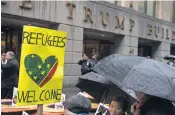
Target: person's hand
[133, 107]
[84, 57]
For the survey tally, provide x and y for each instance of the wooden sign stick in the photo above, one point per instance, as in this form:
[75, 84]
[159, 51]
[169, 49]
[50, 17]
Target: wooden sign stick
[40, 109]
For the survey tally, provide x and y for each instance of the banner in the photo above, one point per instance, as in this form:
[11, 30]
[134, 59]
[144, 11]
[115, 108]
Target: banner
[41, 66]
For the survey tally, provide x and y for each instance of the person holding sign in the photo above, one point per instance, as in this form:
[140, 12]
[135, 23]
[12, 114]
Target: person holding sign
[9, 76]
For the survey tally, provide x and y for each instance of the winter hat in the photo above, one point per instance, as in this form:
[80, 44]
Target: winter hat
[78, 104]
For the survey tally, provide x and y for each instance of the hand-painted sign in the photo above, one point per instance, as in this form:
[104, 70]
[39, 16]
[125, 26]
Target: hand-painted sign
[41, 66]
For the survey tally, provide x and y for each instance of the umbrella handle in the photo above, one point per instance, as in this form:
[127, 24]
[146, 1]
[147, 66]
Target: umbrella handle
[107, 91]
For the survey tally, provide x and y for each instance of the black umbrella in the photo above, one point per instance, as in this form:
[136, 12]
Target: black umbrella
[139, 74]
[94, 84]
[169, 57]
[100, 88]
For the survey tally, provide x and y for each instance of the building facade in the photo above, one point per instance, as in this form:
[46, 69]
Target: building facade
[127, 28]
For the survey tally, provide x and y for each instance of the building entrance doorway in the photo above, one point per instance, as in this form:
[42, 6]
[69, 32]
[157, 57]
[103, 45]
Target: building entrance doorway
[101, 43]
[145, 48]
[172, 52]
[102, 48]
[148, 48]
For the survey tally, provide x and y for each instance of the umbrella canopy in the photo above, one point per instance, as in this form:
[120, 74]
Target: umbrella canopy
[94, 84]
[139, 74]
[100, 88]
[169, 57]
[92, 76]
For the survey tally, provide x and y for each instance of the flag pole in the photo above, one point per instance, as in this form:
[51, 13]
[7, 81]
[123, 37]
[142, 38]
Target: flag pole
[40, 109]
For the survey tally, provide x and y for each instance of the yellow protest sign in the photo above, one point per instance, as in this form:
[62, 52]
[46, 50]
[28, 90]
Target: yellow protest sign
[41, 66]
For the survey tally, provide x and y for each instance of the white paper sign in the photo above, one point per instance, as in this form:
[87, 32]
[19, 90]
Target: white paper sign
[59, 105]
[63, 97]
[102, 109]
[24, 113]
[14, 96]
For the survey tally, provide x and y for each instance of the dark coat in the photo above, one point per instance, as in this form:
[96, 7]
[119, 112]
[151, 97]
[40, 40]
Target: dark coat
[85, 66]
[157, 106]
[9, 74]
[93, 62]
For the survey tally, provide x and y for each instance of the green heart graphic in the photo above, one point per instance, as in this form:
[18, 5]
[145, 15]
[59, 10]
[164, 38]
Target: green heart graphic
[40, 72]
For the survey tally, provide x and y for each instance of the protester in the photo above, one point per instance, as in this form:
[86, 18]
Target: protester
[3, 58]
[93, 60]
[151, 105]
[171, 62]
[118, 106]
[77, 105]
[9, 75]
[85, 64]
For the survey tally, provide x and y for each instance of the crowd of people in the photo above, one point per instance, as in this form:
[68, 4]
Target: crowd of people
[9, 74]
[81, 105]
[146, 105]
